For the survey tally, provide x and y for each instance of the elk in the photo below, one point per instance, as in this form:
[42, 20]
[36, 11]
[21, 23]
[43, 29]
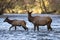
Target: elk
[16, 23]
[39, 21]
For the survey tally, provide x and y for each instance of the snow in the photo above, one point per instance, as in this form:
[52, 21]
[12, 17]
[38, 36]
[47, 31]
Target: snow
[21, 34]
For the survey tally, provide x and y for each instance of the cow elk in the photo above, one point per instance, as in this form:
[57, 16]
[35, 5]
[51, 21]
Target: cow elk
[40, 21]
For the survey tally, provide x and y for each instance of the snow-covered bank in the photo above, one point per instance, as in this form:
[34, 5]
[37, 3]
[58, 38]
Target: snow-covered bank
[21, 34]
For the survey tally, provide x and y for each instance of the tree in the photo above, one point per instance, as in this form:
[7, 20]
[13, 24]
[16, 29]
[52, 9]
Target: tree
[55, 5]
[44, 6]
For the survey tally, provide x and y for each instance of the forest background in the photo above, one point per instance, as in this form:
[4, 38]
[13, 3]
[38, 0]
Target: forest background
[37, 6]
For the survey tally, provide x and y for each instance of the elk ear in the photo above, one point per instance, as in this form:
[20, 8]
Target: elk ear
[27, 11]
[6, 17]
[31, 11]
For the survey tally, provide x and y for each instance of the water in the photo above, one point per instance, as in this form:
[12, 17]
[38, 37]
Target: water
[21, 34]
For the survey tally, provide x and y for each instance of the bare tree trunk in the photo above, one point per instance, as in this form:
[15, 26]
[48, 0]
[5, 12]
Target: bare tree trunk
[41, 6]
[2, 11]
[44, 6]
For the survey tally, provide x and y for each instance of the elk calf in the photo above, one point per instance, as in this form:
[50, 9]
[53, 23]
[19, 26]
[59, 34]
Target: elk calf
[16, 23]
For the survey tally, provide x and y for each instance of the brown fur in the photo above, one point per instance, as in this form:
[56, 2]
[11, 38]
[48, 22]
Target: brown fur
[40, 21]
[16, 23]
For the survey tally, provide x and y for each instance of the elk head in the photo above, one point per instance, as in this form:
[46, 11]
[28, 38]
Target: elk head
[6, 19]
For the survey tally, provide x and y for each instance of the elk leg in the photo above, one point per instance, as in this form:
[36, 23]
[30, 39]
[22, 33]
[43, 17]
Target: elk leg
[25, 28]
[34, 27]
[15, 27]
[10, 28]
[49, 27]
[37, 28]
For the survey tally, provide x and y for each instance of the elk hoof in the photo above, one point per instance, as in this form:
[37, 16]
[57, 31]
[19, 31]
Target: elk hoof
[27, 29]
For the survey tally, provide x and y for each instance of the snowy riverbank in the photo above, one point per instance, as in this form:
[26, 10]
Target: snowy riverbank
[21, 34]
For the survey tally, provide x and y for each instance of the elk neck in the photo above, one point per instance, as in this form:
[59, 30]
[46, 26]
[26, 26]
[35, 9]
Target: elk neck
[9, 21]
[30, 18]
